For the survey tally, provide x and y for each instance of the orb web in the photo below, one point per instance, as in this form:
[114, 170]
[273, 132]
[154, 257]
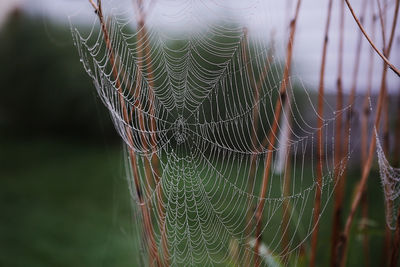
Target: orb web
[195, 106]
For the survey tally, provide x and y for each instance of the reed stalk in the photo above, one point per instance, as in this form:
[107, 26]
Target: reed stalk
[342, 161]
[287, 169]
[384, 58]
[272, 134]
[344, 239]
[388, 203]
[317, 201]
[364, 145]
[338, 177]
[144, 42]
[143, 207]
[250, 180]
[255, 118]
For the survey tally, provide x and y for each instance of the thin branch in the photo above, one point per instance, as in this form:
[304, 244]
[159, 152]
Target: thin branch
[343, 245]
[143, 41]
[388, 203]
[338, 174]
[255, 117]
[132, 156]
[317, 202]
[96, 8]
[364, 145]
[381, 19]
[394, 23]
[391, 66]
[272, 133]
[285, 146]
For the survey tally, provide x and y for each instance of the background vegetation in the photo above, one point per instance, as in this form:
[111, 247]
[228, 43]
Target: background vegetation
[63, 197]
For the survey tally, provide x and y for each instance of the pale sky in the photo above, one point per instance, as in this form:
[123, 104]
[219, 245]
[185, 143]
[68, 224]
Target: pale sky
[308, 43]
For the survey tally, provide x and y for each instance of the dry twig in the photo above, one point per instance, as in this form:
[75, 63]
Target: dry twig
[391, 66]
[272, 133]
[317, 203]
[144, 209]
[344, 239]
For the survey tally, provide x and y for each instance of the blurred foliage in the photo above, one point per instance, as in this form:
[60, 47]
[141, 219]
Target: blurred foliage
[45, 90]
[67, 206]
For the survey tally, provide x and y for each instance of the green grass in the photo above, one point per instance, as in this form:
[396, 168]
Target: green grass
[67, 204]
[64, 205]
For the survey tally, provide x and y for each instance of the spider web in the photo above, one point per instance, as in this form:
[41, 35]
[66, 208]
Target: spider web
[390, 179]
[195, 108]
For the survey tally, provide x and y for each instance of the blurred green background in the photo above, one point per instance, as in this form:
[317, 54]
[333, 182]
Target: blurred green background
[64, 200]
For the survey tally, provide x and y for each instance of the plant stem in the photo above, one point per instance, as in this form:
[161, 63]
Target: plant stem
[255, 117]
[364, 146]
[391, 66]
[285, 146]
[272, 134]
[145, 212]
[388, 203]
[344, 239]
[317, 201]
[339, 183]
[144, 42]
[342, 162]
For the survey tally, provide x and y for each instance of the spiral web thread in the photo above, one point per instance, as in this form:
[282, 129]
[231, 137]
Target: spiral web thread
[200, 106]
